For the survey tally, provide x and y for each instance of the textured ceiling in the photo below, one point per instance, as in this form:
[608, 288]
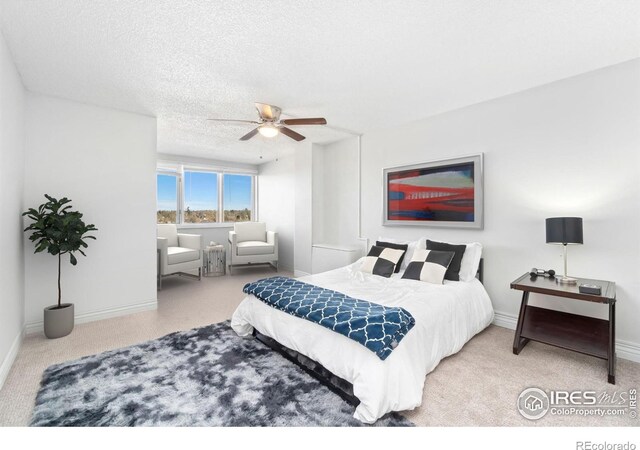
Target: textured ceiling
[361, 64]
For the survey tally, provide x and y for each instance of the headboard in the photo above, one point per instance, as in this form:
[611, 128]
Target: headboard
[480, 273]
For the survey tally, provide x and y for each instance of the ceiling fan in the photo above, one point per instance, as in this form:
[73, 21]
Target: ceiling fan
[270, 125]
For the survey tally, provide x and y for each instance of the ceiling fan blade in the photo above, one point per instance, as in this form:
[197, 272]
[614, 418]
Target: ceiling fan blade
[268, 112]
[249, 135]
[310, 121]
[235, 120]
[292, 134]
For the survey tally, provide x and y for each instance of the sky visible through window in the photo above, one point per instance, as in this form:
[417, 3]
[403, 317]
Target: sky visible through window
[237, 192]
[201, 191]
[167, 196]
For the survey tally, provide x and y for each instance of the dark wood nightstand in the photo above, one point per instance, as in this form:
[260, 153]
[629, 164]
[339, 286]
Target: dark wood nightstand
[594, 337]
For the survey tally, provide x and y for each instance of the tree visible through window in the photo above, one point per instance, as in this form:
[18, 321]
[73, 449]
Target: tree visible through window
[237, 197]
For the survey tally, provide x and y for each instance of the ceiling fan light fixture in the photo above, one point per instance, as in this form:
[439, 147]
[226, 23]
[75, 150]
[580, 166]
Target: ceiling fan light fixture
[268, 131]
[270, 125]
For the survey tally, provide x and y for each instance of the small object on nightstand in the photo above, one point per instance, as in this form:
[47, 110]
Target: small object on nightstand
[542, 273]
[592, 289]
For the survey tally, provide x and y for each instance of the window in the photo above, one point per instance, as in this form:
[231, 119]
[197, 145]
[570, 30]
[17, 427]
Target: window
[237, 199]
[167, 197]
[199, 196]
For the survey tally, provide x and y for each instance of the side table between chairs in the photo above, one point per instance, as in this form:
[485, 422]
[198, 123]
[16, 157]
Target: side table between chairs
[214, 261]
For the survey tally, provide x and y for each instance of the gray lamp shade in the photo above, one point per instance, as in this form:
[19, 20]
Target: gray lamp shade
[564, 230]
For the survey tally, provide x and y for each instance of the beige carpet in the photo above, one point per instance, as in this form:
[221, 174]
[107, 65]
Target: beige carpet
[477, 386]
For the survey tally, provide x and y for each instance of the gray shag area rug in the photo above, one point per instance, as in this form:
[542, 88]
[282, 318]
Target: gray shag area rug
[207, 376]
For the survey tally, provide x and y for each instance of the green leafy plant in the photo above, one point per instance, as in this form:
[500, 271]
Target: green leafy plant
[59, 231]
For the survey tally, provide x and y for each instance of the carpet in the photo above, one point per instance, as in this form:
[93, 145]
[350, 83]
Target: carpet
[206, 376]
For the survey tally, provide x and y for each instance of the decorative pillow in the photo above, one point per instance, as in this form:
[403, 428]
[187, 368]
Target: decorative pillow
[381, 261]
[453, 272]
[428, 265]
[407, 256]
[470, 261]
[403, 247]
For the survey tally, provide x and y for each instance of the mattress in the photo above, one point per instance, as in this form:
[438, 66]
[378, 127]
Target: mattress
[447, 316]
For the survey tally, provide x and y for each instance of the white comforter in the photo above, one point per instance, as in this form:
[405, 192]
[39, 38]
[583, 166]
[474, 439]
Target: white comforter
[447, 316]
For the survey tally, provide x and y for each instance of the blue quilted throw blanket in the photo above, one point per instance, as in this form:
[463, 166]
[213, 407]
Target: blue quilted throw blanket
[379, 328]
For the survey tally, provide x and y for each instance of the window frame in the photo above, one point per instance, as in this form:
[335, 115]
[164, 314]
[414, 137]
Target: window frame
[221, 194]
[178, 170]
[171, 173]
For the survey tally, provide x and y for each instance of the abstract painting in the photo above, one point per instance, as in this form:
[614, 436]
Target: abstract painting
[445, 193]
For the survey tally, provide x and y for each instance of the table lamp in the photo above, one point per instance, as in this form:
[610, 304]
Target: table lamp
[564, 230]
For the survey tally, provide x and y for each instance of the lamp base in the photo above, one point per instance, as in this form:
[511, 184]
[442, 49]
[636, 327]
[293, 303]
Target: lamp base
[566, 280]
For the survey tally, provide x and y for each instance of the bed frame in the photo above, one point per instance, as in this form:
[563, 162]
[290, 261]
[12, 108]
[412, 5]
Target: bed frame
[336, 384]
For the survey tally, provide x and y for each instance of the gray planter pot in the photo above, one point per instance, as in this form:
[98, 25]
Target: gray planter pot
[58, 322]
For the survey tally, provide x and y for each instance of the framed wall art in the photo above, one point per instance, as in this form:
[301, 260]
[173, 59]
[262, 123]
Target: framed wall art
[444, 193]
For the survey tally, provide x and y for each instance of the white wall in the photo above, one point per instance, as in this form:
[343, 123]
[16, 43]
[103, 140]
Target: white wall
[219, 234]
[335, 193]
[567, 148]
[104, 160]
[276, 205]
[303, 207]
[218, 164]
[11, 206]
[317, 199]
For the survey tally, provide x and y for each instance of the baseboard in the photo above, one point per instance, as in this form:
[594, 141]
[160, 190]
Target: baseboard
[10, 358]
[624, 349]
[300, 273]
[37, 327]
[505, 320]
[628, 350]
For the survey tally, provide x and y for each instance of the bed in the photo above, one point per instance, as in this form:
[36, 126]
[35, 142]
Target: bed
[446, 317]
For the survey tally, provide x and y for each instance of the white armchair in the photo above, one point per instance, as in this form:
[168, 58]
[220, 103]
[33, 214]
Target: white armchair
[250, 243]
[179, 253]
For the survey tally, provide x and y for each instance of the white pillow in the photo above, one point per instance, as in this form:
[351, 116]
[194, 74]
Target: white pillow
[412, 245]
[470, 259]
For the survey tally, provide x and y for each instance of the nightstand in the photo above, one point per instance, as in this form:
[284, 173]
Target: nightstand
[582, 334]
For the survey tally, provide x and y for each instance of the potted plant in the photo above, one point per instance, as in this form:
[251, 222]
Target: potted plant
[58, 230]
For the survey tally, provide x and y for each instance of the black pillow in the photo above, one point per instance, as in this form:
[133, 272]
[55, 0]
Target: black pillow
[381, 261]
[404, 247]
[453, 271]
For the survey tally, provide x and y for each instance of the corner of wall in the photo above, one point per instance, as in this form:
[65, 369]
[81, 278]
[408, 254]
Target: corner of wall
[10, 357]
